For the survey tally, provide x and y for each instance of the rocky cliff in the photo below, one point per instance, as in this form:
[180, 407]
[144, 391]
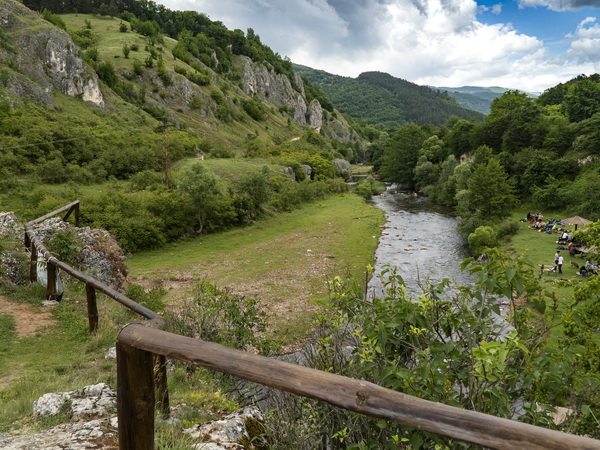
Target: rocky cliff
[262, 81]
[39, 58]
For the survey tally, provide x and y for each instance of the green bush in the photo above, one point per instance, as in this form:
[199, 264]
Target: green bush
[53, 19]
[253, 108]
[107, 73]
[220, 316]
[482, 238]
[65, 245]
[83, 38]
[138, 69]
[153, 299]
[508, 229]
[91, 54]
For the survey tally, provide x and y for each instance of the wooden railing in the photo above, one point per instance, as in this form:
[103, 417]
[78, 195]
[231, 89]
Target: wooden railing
[37, 248]
[139, 384]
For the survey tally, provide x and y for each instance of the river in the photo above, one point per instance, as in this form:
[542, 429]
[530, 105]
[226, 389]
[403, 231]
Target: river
[420, 239]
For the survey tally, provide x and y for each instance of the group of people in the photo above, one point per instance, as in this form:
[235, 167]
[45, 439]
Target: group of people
[589, 269]
[565, 241]
[558, 261]
[537, 223]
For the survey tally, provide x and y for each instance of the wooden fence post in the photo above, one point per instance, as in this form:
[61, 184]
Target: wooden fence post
[33, 263]
[92, 307]
[160, 379]
[135, 398]
[77, 215]
[51, 288]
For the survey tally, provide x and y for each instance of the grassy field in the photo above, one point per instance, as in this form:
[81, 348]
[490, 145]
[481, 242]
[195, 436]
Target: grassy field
[284, 260]
[539, 248]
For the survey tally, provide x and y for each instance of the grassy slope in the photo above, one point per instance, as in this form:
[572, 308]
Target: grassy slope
[231, 135]
[283, 260]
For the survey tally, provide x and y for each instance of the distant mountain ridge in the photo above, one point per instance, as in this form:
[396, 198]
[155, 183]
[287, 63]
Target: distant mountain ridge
[477, 98]
[380, 99]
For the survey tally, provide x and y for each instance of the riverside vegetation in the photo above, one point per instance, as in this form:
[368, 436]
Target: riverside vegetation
[540, 152]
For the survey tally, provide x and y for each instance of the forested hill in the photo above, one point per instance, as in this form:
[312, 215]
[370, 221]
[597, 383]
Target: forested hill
[380, 99]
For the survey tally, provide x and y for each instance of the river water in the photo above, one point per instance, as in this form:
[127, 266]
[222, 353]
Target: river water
[420, 240]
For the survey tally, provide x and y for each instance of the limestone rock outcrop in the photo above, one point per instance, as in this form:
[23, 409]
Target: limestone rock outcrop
[97, 400]
[275, 88]
[99, 254]
[225, 433]
[47, 56]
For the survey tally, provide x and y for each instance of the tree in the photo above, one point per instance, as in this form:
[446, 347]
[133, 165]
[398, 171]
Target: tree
[488, 197]
[582, 100]
[204, 188]
[507, 112]
[490, 190]
[459, 139]
[401, 156]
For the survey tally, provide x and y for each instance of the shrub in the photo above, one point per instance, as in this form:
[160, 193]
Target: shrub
[5, 41]
[65, 245]
[163, 74]
[153, 299]
[83, 38]
[196, 102]
[483, 237]
[53, 19]
[107, 73]
[138, 69]
[200, 78]
[220, 316]
[253, 108]
[507, 229]
[145, 179]
[91, 54]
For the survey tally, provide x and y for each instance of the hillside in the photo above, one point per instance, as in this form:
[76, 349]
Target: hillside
[383, 100]
[83, 79]
[114, 112]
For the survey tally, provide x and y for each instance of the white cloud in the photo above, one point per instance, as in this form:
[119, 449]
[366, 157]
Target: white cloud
[436, 42]
[585, 45]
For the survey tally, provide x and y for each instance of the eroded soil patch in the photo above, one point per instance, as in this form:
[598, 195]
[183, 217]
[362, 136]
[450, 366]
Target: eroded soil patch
[28, 318]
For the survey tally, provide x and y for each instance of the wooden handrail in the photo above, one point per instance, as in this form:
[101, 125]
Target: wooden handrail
[70, 207]
[91, 286]
[89, 281]
[355, 395]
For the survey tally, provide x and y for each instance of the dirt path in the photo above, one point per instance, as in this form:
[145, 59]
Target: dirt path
[28, 318]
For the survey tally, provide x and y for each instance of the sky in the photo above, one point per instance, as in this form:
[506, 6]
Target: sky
[529, 45]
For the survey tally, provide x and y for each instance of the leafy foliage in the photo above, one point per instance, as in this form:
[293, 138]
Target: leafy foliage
[220, 316]
[447, 344]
